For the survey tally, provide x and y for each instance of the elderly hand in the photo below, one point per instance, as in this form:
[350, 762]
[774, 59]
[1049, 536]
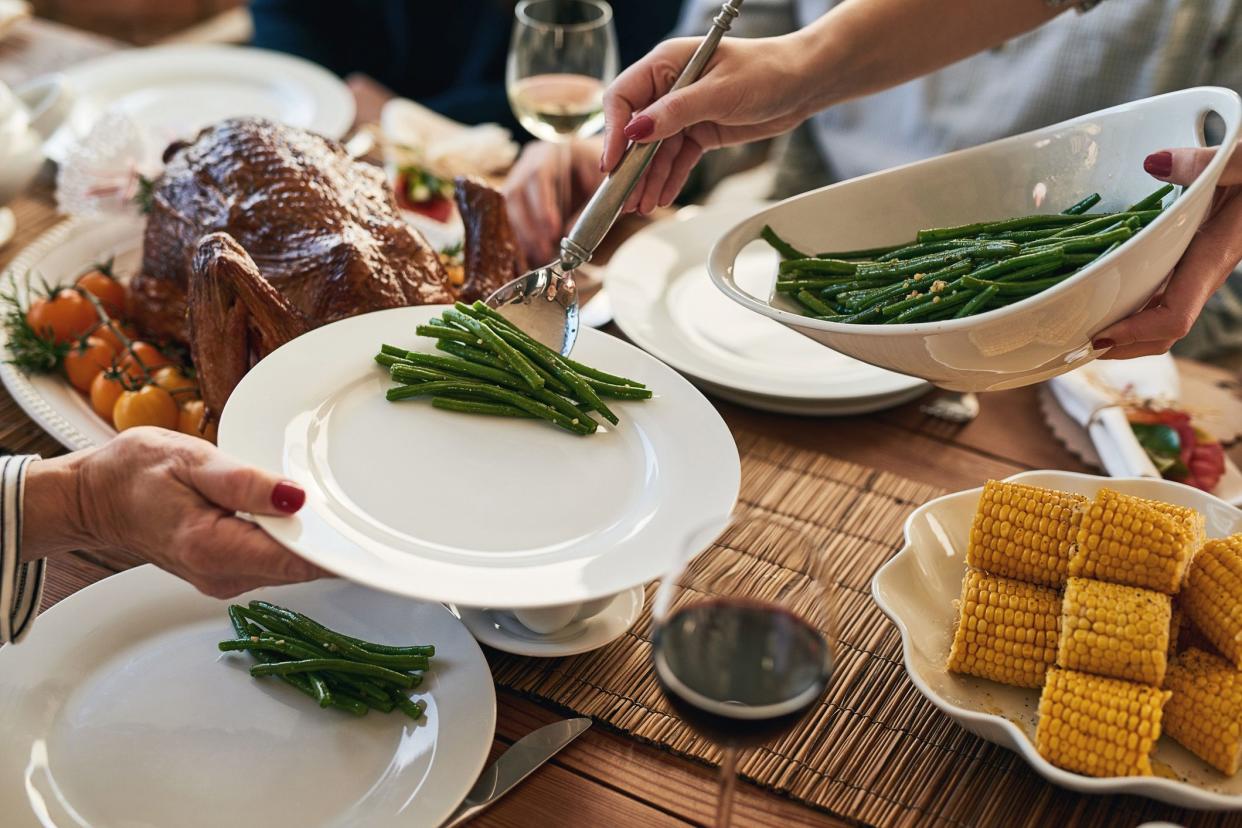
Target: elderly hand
[532, 194]
[1213, 254]
[170, 499]
[751, 89]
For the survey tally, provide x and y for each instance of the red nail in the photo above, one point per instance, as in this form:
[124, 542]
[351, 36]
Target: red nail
[1102, 344]
[639, 128]
[288, 497]
[1159, 164]
[602, 168]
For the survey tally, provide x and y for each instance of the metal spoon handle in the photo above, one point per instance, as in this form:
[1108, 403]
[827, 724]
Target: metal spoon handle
[606, 204]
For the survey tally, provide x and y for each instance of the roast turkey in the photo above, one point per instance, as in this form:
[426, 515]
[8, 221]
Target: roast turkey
[258, 232]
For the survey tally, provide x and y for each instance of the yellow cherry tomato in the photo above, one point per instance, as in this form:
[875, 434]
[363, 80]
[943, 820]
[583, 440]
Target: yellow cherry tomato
[149, 406]
[172, 380]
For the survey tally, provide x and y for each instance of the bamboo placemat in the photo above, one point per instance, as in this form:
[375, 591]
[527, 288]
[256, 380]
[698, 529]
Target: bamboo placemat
[875, 750]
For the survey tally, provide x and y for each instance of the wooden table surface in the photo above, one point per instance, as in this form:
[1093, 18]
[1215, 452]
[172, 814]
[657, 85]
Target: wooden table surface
[604, 778]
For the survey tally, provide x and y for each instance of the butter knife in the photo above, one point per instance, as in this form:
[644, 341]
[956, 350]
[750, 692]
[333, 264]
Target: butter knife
[515, 764]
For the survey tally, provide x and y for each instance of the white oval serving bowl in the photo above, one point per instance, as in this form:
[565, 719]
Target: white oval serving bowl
[917, 588]
[1041, 171]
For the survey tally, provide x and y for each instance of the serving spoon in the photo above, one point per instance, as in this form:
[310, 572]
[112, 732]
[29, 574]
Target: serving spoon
[544, 301]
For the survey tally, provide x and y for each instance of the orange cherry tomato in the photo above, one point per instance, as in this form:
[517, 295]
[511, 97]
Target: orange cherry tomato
[85, 361]
[105, 390]
[192, 417]
[110, 292]
[142, 355]
[63, 318]
[149, 406]
[175, 382]
[108, 332]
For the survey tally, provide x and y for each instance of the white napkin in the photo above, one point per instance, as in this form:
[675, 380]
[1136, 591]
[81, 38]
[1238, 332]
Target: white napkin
[416, 135]
[1093, 396]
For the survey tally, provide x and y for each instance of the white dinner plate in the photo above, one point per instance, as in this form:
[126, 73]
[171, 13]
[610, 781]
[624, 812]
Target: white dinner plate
[918, 589]
[173, 91]
[500, 630]
[664, 301]
[59, 257]
[813, 408]
[118, 710]
[471, 510]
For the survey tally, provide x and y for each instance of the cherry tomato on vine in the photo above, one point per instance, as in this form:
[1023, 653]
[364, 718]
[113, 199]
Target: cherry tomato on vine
[192, 416]
[110, 292]
[86, 360]
[65, 317]
[105, 390]
[175, 382]
[149, 405]
[109, 333]
[142, 355]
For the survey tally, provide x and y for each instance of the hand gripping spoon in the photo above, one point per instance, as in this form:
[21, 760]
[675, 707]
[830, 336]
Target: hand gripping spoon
[544, 302]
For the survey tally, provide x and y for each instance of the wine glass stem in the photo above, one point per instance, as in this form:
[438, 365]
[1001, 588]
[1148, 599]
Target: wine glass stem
[565, 181]
[728, 781]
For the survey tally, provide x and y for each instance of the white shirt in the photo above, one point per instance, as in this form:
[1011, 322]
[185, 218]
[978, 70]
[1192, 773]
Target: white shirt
[21, 584]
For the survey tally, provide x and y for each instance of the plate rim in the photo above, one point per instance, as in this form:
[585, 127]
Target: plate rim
[1174, 792]
[335, 106]
[20, 388]
[612, 276]
[161, 580]
[726, 476]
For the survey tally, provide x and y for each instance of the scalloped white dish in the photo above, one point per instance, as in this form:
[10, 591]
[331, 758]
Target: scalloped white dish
[916, 590]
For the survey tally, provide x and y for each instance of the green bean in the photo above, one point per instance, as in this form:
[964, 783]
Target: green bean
[916, 249]
[879, 296]
[1094, 225]
[1083, 206]
[814, 265]
[388, 360]
[860, 285]
[1080, 244]
[992, 249]
[465, 368]
[978, 300]
[795, 285]
[447, 332]
[787, 250]
[479, 407]
[363, 691]
[481, 357]
[866, 315]
[300, 683]
[585, 371]
[1038, 257]
[912, 310]
[238, 621]
[274, 610]
[1021, 235]
[322, 694]
[413, 709]
[1152, 200]
[336, 665]
[814, 303]
[868, 253]
[978, 228]
[271, 644]
[265, 619]
[558, 368]
[336, 642]
[497, 345]
[618, 392]
[910, 267]
[1024, 288]
[582, 424]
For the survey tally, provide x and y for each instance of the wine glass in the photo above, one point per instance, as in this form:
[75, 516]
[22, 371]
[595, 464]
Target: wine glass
[744, 645]
[562, 55]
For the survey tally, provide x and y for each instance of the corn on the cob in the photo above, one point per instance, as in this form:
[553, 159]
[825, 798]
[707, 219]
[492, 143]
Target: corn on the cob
[1098, 726]
[1205, 713]
[1024, 532]
[1006, 631]
[1128, 540]
[1114, 630]
[1213, 595]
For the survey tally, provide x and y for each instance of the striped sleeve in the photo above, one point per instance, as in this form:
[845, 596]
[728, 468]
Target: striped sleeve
[21, 584]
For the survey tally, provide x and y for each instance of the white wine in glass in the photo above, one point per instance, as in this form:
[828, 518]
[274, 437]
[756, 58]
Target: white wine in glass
[562, 56]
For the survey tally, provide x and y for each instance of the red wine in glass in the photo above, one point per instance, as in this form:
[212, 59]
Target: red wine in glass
[741, 671]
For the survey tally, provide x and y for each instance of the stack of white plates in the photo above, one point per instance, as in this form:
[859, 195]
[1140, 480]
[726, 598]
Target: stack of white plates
[663, 300]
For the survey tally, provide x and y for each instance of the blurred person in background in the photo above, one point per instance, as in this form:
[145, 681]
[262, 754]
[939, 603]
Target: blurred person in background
[1073, 64]
[448, 56]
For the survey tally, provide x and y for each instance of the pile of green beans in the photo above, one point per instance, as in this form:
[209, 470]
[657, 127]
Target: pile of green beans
[954, 272]
[334, 669]
[492, 367]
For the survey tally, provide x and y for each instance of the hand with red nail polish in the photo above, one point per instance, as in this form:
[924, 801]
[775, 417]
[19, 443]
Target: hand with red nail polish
[1212, 256]
[168, 499]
